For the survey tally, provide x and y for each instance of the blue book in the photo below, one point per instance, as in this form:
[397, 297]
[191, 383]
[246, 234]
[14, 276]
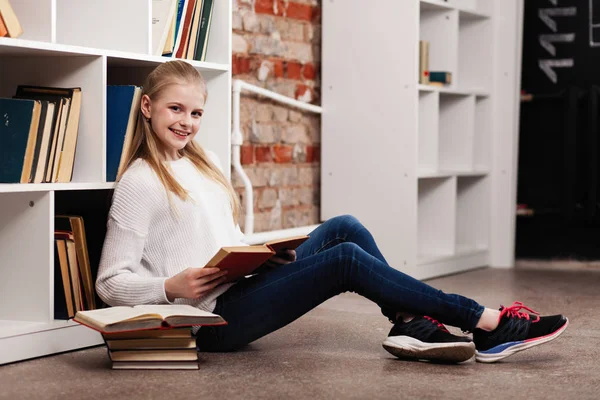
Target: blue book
[122, 105]
[19, 121]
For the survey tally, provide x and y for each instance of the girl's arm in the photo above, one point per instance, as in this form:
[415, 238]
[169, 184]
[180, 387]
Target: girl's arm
[122, 280]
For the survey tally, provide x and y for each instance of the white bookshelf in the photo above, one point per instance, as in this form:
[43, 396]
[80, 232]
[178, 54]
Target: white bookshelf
[87, 44]
[430, 170]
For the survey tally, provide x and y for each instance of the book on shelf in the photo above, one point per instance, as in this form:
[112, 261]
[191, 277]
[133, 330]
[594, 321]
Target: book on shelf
[9, 23]
[122, 105]
[423, 62]
[163, 12]
[19, 122]
[241, 261]
[444, 77]
[75, 227]
[140, 317]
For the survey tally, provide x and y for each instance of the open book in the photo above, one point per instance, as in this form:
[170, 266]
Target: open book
[119, 319]
[241, 261]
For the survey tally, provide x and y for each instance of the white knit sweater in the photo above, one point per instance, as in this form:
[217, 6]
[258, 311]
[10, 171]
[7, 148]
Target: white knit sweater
[148, 241]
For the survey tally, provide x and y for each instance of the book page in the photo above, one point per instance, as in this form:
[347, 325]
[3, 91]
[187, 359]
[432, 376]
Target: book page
[167, 310]
[107, 316]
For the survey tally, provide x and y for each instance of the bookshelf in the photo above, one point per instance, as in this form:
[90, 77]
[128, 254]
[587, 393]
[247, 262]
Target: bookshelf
[430, 170]
[68, 43]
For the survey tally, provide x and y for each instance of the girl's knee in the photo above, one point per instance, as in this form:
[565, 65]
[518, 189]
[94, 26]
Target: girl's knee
[347, 221]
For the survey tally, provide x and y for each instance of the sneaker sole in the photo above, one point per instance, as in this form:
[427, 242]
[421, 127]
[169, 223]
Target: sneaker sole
[508, 349]
[411, 348]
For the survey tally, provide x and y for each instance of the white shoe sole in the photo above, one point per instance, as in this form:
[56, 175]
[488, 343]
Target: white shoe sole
[409, 347]
[491, 355]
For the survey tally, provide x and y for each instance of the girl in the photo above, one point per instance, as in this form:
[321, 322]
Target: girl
[173, 209]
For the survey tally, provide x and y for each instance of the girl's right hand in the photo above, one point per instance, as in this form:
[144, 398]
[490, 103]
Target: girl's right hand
[193, 283]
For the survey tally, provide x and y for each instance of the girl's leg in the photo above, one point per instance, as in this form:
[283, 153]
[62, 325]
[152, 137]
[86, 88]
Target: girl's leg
[266, 302]
[344, 229]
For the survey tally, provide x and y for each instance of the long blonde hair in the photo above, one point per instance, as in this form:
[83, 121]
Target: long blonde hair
[146, 145]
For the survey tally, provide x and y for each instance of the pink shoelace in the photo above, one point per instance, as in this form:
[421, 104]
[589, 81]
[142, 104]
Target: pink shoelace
[435, 321]
[514, 311]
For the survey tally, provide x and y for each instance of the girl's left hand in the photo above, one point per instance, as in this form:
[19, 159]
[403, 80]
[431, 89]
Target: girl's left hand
[283, 257]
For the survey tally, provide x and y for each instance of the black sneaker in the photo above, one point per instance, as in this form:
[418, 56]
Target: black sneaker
[425, 338]
[516, 331]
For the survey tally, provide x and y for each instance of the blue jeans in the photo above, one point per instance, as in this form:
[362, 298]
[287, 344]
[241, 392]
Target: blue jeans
[340, 256]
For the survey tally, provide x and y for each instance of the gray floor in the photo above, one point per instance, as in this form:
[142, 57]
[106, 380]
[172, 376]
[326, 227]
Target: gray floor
[335, 352]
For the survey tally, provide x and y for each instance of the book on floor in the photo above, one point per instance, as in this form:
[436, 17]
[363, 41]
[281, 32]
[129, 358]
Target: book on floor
[154, 316]
[242, 261]
[155, 365]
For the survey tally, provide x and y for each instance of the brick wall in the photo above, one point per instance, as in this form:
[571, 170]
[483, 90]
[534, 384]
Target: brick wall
[277, 45]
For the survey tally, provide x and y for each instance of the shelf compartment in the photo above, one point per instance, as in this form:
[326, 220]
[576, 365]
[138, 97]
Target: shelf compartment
[35, 17]
[439, 26]
[457, 125]
[436, 215]
[472, 213]
[87, 72]
[475, 54]
[462, 260]
[26, 255]
[428, 130]
[483, 134]
[97, 24]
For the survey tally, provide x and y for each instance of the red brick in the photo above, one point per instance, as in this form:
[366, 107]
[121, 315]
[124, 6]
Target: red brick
[299, 11]
[278, 68]
[283, 153]
[240, 64]
[234, 67]
[316, 15]
[263, 154]
[247, 154]
[294, 70]
[316, 153]
[300, 90]
[263, 7]
[243, 65]
[309, 71]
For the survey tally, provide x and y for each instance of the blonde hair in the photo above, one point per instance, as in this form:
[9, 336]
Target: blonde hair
[146, 145]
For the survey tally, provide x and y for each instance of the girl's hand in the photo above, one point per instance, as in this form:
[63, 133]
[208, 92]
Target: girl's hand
[193, 283]
[280, 258]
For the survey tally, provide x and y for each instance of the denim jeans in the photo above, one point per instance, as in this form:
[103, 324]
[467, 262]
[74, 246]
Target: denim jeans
[340, 256]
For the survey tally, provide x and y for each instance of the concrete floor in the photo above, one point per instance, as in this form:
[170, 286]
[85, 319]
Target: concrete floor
[335, 352]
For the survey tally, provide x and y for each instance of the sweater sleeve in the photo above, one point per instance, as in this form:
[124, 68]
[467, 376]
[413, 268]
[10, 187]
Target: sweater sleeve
[122, 280]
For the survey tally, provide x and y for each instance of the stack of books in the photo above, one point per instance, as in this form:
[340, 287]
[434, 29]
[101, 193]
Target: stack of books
[149, 336]
[152, 349]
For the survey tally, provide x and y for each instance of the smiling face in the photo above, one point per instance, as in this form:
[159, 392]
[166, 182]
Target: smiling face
[175, 116]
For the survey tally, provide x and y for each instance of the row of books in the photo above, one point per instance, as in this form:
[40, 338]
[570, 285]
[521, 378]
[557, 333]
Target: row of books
[38, 134]
[73, 283]
[427, 77]
[9, 23]
[149, 336]
[180, 28]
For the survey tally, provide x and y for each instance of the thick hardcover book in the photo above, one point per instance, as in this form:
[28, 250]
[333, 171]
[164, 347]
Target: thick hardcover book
[19, 121]
[242, 261]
